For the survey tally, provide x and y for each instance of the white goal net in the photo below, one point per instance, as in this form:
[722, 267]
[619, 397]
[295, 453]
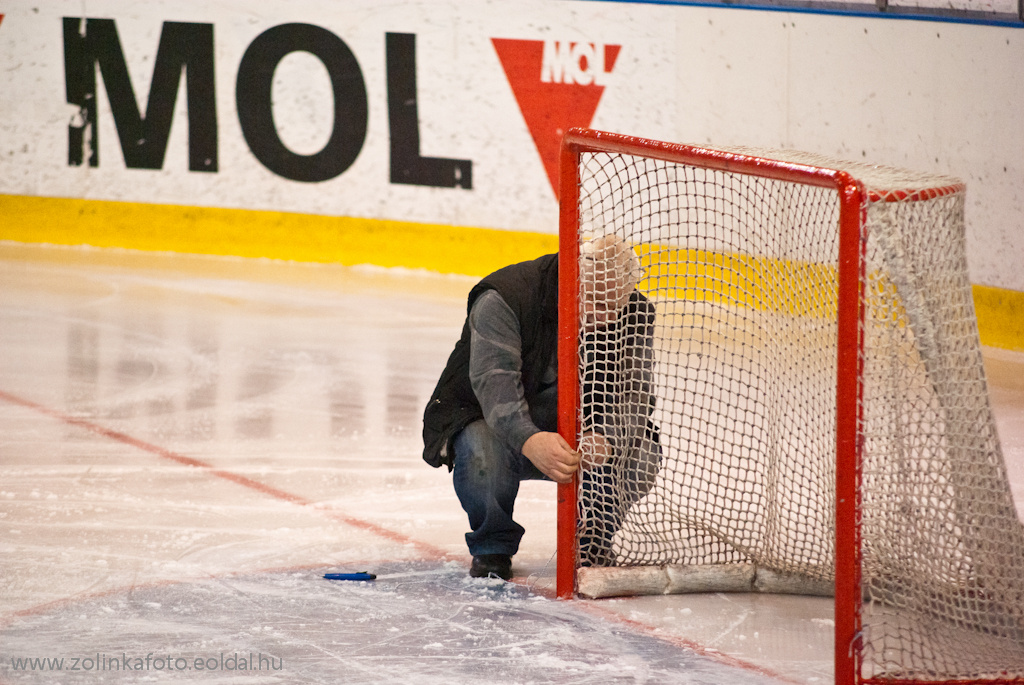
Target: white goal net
[718, 389]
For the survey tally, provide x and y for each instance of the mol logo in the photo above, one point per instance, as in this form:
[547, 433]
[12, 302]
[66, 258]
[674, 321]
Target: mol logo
[557, 85]
[93, 51]
[579, 63]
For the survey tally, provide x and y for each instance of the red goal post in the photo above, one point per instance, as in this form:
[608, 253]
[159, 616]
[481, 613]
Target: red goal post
[855, 288]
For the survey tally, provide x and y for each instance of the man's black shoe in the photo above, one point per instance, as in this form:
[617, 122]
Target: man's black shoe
[486, 565]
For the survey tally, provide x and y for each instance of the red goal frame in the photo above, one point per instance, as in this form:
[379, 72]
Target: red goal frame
[851, 195]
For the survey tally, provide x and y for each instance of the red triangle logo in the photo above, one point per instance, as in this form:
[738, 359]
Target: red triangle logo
[557, 85]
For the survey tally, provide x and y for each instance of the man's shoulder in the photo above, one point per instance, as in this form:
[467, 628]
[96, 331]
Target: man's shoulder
[522, 277]
[539, 264]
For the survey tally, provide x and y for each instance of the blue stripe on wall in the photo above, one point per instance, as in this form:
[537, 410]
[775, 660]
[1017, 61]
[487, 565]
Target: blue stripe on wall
[937, 14]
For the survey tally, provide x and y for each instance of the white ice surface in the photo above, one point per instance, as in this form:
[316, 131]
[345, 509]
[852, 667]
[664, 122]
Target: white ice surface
[417, 623]
[187, 444]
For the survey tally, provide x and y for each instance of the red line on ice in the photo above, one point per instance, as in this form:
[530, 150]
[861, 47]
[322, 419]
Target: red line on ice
[429, 551]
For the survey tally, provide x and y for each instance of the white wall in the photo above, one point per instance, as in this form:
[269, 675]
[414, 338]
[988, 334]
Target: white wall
[929, 95]
[925, 95]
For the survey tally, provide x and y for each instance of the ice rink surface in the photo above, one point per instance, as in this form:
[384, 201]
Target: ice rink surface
[187, 444]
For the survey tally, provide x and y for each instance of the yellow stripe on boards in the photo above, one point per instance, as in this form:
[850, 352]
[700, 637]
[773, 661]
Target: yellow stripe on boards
[801, 288]
[1000, 315]
[779, 285]
[274, 235]
[433, 247]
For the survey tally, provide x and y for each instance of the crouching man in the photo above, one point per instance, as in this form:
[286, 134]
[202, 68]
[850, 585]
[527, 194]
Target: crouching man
[492, 417]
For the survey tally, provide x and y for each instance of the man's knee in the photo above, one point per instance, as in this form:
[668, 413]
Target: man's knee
[478, 448]
[477, 434]
[476, 438]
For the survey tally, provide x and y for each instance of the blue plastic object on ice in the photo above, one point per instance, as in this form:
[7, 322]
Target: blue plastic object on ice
[362, 575]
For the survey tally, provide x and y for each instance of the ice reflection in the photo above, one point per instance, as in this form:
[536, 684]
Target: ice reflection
[83, 367]
[241, 373]
[348, 416]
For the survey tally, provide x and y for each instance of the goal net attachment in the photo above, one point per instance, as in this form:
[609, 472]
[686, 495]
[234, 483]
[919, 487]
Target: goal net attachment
[788, 397]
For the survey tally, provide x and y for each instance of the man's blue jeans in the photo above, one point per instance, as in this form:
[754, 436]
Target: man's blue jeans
[486, 477]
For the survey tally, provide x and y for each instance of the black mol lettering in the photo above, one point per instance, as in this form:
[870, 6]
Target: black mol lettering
[183, 47]
[94, 44]
[253, 91]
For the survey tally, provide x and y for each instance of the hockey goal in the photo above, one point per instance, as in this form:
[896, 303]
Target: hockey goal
[814, 377]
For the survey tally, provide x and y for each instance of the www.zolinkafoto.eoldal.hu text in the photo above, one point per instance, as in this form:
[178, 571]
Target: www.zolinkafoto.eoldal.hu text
[151, 662]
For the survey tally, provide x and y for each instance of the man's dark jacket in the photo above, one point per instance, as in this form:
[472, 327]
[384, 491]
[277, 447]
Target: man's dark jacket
[531, 290]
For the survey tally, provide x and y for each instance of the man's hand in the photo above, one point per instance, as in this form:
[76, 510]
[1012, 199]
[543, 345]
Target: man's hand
[551, 454]
[595, 450]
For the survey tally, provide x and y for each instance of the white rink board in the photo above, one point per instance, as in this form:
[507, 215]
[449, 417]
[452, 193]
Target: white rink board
[466, 107]
[931, 96]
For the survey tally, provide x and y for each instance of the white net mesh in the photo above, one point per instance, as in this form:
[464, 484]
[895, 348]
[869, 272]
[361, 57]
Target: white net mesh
[715, 390]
